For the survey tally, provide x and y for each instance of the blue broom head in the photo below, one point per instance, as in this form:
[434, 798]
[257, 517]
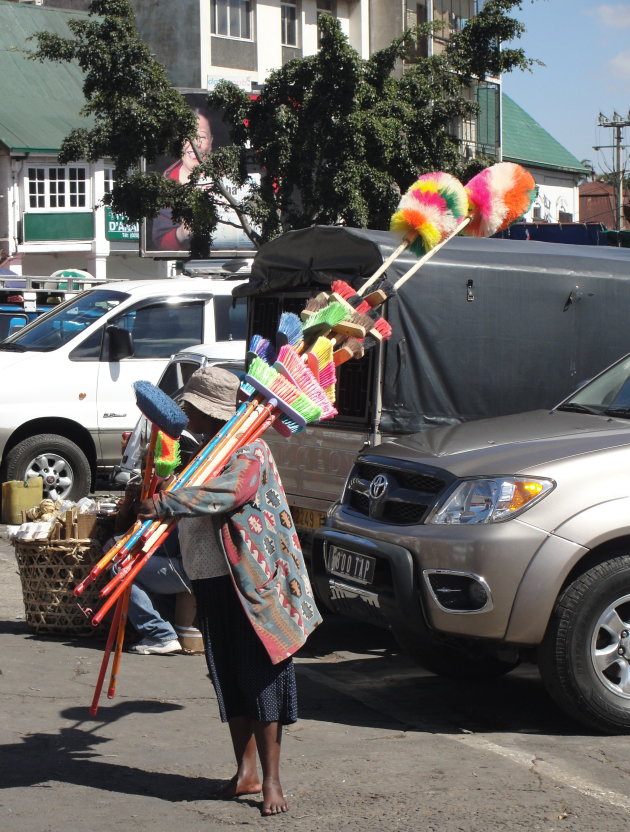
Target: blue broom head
[289, 330]
[160, 409]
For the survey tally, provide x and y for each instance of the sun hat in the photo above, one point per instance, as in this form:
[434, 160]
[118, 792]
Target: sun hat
[213, 391]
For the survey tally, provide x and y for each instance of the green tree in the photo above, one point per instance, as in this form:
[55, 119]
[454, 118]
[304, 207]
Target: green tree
[336, 138]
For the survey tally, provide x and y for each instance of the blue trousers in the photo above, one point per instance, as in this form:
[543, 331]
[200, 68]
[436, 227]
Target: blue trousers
[161, 575]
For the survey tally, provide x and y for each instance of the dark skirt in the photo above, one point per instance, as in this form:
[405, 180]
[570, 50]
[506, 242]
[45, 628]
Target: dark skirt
[245, 681]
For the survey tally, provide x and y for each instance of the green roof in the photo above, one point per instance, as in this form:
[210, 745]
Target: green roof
[526, 142]
[40, 102]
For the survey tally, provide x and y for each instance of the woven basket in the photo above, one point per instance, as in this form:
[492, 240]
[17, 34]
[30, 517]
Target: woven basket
[49, 571]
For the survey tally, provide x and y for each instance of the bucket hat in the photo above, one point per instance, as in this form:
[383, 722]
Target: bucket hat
[213, 391]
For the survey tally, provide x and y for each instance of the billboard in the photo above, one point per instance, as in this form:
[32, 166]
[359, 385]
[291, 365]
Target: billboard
[161, 236]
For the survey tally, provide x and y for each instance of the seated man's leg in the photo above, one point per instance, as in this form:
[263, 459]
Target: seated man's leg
[155, 578]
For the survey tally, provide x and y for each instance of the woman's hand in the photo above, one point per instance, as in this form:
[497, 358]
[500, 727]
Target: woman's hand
[146, 510]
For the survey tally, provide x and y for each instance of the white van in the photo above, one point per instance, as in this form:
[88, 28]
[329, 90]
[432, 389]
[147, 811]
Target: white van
[67, 377]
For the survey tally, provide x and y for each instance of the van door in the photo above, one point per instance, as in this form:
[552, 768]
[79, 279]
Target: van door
[159, 329]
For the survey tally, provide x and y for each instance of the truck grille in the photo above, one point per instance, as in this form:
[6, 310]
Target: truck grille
[395, 493]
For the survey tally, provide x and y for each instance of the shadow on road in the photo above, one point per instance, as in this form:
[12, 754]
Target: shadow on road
[383, 687]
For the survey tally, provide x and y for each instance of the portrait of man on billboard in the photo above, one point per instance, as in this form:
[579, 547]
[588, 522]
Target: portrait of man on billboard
[161, 236]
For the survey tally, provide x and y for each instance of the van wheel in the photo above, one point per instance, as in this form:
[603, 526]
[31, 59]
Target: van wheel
[62, 465]
[584, 659]
[455, 659]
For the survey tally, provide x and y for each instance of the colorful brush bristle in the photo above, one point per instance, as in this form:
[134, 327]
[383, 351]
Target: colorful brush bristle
[286, 427]
[274, 387]
[323, 321]
[166, 457]
[160, 409]
[352, 348]
[383, 328]
[498, 196]
[430, 210]
[314, 305]
[261, 347]
[290, 364]
[289, 330]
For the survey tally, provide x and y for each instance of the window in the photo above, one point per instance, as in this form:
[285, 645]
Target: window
[57, 187]
[289, 24]
[161, 330]
[231, 18]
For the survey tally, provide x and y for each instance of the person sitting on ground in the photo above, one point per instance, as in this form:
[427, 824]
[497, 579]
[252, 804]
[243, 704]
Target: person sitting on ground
[255, 605]
[163, 574]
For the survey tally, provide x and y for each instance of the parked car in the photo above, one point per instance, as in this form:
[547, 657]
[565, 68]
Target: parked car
[67, 377]
[25, 298]
[497, 540]
[176, 373]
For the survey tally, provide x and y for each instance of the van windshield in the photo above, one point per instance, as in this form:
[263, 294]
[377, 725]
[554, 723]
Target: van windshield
[65, 322]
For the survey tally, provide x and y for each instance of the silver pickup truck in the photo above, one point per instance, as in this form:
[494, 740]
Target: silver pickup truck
[497, 540]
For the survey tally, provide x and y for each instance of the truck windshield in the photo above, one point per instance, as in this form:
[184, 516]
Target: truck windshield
[65, 322]
[608, 394]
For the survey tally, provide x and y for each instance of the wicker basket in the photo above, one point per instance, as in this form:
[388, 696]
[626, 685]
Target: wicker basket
[49, 571]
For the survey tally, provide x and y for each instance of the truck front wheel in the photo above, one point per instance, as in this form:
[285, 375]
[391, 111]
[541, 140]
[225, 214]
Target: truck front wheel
[62, 465]
[584, 659]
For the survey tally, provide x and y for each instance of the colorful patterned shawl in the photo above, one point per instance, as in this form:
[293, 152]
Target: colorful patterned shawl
[261, 546]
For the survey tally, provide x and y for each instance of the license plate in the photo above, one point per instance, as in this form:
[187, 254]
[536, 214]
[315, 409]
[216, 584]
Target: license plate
[307, 518]
[345, 564]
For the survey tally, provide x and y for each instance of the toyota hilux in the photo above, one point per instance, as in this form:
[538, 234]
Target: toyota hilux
[499, 540]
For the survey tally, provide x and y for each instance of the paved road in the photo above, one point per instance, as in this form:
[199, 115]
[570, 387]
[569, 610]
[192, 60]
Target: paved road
[381, 745]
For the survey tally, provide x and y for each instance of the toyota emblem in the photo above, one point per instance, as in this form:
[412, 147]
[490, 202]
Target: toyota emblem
[378, 486]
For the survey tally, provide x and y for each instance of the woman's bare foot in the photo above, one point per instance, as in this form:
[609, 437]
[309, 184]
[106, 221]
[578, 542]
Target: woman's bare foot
[274, 802]
[238, 786]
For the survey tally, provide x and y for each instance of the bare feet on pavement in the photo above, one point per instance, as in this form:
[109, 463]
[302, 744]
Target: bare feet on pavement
[274, 802]
[237, 787]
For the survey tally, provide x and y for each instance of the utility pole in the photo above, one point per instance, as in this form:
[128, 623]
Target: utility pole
[617, 122]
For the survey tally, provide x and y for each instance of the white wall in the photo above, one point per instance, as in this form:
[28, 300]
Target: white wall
[556, 192]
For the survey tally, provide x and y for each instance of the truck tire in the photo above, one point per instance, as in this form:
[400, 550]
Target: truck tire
[454, 659]
[62, 465]
[584, 659]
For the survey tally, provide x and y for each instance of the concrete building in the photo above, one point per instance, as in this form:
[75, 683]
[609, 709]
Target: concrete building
[50, 214]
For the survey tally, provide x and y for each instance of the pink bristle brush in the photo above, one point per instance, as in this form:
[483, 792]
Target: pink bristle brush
[498, 196]
[289, 363]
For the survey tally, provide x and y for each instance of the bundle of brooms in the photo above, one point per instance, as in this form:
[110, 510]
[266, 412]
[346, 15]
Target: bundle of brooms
[292, 383]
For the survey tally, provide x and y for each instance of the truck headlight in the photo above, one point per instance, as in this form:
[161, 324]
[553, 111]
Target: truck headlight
[490, 500]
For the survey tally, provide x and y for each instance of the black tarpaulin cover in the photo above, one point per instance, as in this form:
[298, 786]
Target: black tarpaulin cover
[486, 327]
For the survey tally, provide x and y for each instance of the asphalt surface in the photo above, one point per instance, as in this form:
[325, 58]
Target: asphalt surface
[381, 745]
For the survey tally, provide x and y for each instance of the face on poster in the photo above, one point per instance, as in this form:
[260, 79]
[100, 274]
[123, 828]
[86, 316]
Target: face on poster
[160, 236]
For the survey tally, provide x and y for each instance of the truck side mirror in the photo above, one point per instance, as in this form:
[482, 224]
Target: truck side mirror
[120, 343]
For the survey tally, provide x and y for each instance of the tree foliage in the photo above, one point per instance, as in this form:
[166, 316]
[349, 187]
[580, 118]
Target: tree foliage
[336, 138]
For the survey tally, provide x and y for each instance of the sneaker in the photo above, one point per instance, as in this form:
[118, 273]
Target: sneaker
[149, 646]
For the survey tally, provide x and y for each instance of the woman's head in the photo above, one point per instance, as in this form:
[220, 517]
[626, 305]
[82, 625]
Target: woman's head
[203, 142]
[209, 399]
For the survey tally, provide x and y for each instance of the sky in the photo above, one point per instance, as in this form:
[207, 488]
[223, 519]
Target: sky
[585, 47]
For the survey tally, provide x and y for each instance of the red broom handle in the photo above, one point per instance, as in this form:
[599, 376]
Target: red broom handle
[113, 630]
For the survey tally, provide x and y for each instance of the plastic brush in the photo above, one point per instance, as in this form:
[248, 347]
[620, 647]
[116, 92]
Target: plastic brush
[323, 321]
[428, 214]
[314, 305]
[291, 365]
[352, 348]
[166, 457]
[498, 195]
[160, 409]
[261, 347]
[289, 330]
